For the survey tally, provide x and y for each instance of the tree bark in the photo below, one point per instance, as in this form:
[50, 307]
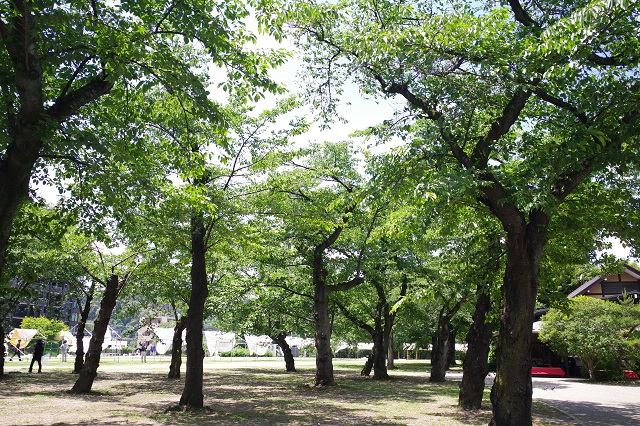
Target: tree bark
[390, 354]
[380, 351]
[3, 352]
[324, 357]
[89, 369]
[84, 316]
[176, 349]
[441, 340]
[289, 361]
[476, 363]
[451, 353]
[511, 395]
[439, 350]
[192, 394]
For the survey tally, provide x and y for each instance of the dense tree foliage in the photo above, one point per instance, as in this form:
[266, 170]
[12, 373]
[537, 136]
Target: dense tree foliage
[600, 332]
[529, 101]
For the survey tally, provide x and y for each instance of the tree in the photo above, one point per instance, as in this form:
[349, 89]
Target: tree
[113, 286]
[595, 330]
[383, 315]
[62, 57]
[536, 101]
[318, 195]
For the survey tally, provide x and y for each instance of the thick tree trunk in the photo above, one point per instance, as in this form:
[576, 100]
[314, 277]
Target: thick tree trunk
[439, 350]
[192, 394]
[176, 349]
[382, 328]
[84, 316]
[3, 352]
[451, 353]
[26, 129]
[476, 363]
[324, 357]
[89, 370]
[289, 362]
[512, 389]
[29, 127]
[390, 355]
[379, 357]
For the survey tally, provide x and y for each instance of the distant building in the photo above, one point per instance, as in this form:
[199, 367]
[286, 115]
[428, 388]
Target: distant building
[50, 300]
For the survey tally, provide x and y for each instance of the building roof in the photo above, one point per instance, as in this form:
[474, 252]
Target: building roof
[584, 288]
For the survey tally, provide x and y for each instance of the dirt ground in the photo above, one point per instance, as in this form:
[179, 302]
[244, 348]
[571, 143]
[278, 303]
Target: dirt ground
[237, 392]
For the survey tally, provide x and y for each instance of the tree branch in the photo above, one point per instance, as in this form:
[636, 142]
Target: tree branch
[522, 15]
[67, 105]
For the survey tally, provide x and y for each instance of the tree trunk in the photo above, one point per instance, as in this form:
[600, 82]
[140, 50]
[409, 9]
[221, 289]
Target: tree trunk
[390, 355]
[379, 357]
[3, 352]
[29, 126]
[382, 328]
[324, 358]
[451, 353]
[89, 370]
[192, 394]
[368, 366]
[591, 367]
[439, 349]
[476, 363]
[512, 389]
[25, 130]
[176, 349]
[289, 362]
[84, 316]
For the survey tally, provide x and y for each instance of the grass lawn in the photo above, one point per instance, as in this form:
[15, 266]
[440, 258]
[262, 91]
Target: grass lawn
[238, 392]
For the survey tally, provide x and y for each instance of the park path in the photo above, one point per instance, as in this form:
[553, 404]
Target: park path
[591, 404]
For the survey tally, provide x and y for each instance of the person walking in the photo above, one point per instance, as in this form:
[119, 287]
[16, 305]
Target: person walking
[63, 350]
[17, 351]
[38, 351]
[143, 352]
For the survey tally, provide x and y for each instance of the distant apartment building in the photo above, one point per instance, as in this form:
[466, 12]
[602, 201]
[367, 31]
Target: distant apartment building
[50, 300]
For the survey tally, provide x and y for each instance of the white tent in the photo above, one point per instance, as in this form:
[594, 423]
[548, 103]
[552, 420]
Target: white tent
[258, 344]
[111, 340]
[70, 338]
[218, 342]
[299, 341]
[163, 337]
[25, 335]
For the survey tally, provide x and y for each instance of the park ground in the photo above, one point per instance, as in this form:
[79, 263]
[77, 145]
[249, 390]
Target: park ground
[239, 391]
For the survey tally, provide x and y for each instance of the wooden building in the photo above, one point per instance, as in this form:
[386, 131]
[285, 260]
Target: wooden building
[611, 286]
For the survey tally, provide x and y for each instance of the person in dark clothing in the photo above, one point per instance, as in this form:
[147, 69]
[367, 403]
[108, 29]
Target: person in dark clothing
[38, 351]
[17, 351]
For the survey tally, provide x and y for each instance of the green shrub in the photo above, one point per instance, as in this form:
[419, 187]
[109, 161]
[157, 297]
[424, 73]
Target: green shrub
[238, 351]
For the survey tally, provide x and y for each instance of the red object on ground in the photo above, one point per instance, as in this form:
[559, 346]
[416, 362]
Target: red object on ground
[631, 375]
[547, 371]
